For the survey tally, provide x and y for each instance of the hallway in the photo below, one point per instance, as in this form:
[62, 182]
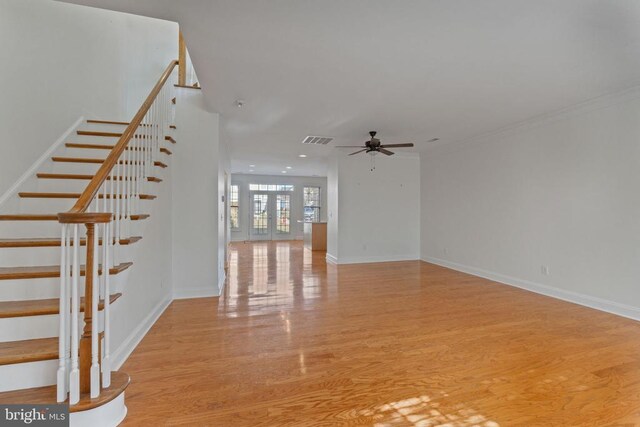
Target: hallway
[296, 342]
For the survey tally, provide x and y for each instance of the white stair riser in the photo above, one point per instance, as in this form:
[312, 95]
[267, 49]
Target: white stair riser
[28, 229]
[79, 185]
[92, 168]
[53, 205]
[28, 375]
[34, 327]
[28, 328]
[25, 257]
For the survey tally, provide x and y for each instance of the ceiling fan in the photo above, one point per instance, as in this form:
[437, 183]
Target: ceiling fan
[374, 147]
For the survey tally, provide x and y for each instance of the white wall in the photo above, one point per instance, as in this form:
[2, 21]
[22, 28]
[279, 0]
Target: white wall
[333, 219]
[560, 192]
[195, 197]
[61, 61]
[297, 200]
[378, 212]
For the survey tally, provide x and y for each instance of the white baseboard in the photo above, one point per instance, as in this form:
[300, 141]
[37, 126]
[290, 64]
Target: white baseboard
[550, 291]
[379, 258]
[38, 163]
[125, 349]
[221, 281]
[331, 259]
[201, 292]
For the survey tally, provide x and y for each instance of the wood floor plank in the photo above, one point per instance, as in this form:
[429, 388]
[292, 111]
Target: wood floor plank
[296, 342]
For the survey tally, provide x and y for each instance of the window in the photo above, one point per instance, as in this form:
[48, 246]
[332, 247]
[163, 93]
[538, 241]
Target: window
[311, 204]
[270, 187]
[233, 207]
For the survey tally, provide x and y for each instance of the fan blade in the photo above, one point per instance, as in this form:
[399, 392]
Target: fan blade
[350, 146]
[387, 152]
[358, 152]
[397, 145]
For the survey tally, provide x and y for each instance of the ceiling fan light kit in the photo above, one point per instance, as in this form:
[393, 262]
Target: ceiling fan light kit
[373, 147]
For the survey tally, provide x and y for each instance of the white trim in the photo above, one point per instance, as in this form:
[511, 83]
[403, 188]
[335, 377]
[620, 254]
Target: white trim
[127, 347]
[379, 258]
[221, 281]
[331, 259]
[201, 292]
[36, 166]
[550, 291]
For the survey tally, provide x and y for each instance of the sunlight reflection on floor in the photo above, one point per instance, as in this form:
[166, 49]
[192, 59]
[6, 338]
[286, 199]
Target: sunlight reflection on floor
[423, 412]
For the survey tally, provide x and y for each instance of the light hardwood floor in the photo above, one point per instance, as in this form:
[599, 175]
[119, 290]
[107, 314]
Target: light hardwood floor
[294, 342]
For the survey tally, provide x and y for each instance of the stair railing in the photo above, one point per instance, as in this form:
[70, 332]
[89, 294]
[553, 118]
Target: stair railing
[105, 209]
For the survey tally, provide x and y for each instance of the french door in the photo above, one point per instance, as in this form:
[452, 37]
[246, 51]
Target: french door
[270, 215]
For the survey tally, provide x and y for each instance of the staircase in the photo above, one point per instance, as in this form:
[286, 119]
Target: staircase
[65, 249]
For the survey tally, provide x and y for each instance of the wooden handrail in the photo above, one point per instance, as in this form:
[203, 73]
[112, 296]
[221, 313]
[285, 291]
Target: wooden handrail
[94, 185]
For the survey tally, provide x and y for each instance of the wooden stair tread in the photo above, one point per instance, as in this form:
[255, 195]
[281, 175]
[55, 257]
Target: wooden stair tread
[50, 271]
[111, 122]
[107, 147]
[39, 242]
[169, 138]
[32, 195]
[25, 351]
[47, 395]
[99, 133]
[82, 176]
[41, 307]
[53, 217]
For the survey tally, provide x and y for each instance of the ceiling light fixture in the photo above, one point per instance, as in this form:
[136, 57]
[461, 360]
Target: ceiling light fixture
[252, 166]
[284, 171]
[289, 167]
[239, 103]
[302, 155]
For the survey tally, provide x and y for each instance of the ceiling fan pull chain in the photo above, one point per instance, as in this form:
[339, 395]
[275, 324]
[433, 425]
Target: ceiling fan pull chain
[373, 163]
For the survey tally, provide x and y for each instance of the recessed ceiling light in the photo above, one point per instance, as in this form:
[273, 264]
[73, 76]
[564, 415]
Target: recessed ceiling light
[284, 171]
[252, 166]
[302, 155]
[289, 167]
[250, 170]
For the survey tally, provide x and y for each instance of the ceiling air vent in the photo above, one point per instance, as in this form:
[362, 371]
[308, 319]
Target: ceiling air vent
[321, 140]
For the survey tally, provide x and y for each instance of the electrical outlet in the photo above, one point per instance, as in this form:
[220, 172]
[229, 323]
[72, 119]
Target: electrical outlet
[445, 251]
[544, 270]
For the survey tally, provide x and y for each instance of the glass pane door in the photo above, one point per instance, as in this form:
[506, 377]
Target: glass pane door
[260, 217]
[283, 217]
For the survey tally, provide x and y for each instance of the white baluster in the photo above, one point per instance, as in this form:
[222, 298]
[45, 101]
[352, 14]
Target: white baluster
[74, 377]
[95, 296]
[106, 360]
[67, 326]
[64, 313]
[118, 214]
